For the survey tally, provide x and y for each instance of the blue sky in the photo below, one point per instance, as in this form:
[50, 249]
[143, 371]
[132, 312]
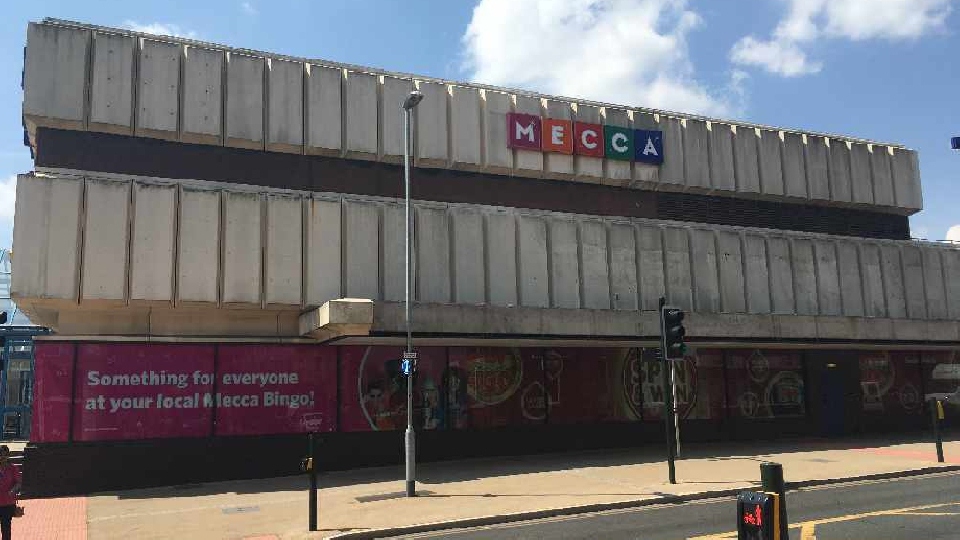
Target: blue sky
[876, 69]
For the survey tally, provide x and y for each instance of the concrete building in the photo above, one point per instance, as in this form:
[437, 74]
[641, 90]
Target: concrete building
[216, 237]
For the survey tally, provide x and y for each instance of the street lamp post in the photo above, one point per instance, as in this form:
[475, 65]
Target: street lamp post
[407, 105]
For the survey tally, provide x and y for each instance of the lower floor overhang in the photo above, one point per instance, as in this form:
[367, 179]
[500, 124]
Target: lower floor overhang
[364, 321]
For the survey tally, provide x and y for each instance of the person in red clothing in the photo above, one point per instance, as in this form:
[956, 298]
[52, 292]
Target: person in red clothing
[9, 491]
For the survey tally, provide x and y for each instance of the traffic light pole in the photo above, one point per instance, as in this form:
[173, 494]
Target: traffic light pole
[667, 384]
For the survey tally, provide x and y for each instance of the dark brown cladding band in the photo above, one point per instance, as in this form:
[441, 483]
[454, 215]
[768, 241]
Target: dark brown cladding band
[90, 151]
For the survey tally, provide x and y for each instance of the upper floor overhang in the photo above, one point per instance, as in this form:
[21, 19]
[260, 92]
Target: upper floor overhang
[87, 78]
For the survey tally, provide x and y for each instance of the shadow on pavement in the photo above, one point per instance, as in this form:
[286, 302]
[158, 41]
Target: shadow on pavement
[479, 468]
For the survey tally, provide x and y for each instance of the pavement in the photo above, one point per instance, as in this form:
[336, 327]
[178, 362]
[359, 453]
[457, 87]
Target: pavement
[369, 503]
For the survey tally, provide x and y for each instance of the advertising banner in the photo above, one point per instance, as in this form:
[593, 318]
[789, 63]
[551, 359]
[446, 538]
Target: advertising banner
[53, 372]
[890, 382]
[137, 391]
[765, 384]
[495, 387]
[264, 389]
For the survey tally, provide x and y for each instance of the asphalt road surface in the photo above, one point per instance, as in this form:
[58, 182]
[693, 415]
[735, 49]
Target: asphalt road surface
[926, 507]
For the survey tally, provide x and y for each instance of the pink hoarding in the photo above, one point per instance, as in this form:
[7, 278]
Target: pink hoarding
[137, 391]
[53, 369]
[264, 389]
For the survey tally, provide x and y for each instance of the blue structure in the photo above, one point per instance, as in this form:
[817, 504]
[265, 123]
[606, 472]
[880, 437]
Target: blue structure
[16, 361]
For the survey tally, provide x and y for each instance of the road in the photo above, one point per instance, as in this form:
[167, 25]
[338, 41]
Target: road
[925, 507]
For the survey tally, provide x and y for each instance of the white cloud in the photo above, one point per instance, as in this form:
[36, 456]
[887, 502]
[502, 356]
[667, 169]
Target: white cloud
[810, 21]
[632, 52]
[953, 233]
[780, 57]
[159, 29]
[249, 9]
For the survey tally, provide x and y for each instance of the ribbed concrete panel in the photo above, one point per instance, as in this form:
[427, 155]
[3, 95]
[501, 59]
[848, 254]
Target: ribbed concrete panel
[804, 277]
[532, 254]
[757, 276]
[54, 74]
[623, 267]
[696, 153]
[646, 174]
[916, 296]
[31, 235]
[893, 281]
[730, 266]
[817, 167]
[871, 270]
[722, 174]
[615, 171]
[157, 106]
[594, 265]
[527, 162]
[111, 89]
[324, 118]
[432, 125]
[650, 257]
[465, 112]
[392, 93]
[554, 163]
[828, 278]
[283, 250]
[199, 246]
[361, 253]
[746, 162]
[244, 101]
[242, 268]
[671, 171]
[564, 264]
[839, 169]
[46, 237]
[285, 106]
[851, 286]
[781, 276]
[104, 275]
[323, 227]
[202, 95]
[861, 178]
[794, 172]
[951, 269]
[497, 156]
[433, 255]
[468, 269]
[936, 300]
[677, 267]
[360, 114]
[906, 179]
[882, 175]
[705, 277]
[588, 169]
[392, 243]
[500, 256]
[771, 164]
[154, 226]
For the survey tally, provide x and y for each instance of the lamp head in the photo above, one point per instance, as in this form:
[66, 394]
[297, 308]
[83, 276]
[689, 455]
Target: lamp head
[412, 100]
[955, 143]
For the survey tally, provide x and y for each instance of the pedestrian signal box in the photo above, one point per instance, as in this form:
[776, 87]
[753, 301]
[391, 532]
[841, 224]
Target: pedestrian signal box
[758, 516]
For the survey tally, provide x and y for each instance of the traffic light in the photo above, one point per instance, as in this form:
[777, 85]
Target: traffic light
[673, 332]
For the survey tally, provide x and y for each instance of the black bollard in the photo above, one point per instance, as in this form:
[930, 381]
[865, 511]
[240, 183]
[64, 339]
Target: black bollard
[935, 413]
[771, 480]
[312, 469]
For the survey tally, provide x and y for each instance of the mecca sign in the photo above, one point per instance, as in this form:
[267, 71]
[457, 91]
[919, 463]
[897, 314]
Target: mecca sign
[531, 132]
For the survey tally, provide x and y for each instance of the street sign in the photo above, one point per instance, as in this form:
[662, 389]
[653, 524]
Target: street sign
[410, 356]
[409, 363]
